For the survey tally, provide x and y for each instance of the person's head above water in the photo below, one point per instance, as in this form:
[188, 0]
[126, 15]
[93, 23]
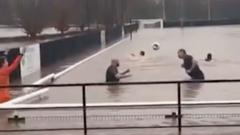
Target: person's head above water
[181, 53]
[142, 53]
[209, 57]
[115, 63]
[3, 62]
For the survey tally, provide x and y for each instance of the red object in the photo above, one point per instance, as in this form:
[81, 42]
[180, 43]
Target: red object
[5, 79]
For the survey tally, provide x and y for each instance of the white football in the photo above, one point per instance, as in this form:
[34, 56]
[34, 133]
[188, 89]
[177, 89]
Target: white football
[156, 46]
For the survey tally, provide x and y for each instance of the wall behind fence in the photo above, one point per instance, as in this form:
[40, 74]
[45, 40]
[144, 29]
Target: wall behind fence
[113, 34]
[201, 12]
[57, 50]
[128, 28]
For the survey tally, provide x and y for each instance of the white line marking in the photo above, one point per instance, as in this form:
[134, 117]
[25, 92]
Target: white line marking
[28, 96]
[41, 81]
[127, 104]
[29, 90]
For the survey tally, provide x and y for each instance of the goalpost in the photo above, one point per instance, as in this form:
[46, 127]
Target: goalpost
[151, 23]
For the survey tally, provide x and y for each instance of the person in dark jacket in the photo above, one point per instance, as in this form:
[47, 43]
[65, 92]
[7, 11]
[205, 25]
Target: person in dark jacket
[190, 65]
[112, 73]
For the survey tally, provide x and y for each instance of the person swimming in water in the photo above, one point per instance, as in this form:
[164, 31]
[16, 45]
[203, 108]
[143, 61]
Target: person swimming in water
[133, 56]
[209, 57]
[142, 53]
[190, 65]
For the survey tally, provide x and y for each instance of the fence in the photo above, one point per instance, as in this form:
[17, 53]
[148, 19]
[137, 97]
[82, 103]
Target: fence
[57, 50]
[199, 12]
[113, 34]
[84, 106]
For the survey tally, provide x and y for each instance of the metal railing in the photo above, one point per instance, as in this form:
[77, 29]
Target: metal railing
[84, 104]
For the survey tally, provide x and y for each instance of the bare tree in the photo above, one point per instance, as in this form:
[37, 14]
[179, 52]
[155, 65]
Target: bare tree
[62, 24]
[79, 13]
[31, 16]
[63, 14]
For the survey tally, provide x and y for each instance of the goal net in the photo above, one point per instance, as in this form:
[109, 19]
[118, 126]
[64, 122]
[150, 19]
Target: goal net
[150, 23]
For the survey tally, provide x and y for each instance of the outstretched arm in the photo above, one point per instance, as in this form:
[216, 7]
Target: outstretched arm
[123, 74]
[14, 64]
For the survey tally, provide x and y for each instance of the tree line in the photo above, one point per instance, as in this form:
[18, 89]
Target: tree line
[35, 15]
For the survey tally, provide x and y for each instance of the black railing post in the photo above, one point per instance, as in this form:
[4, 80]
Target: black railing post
[179, 107]
[84, 109]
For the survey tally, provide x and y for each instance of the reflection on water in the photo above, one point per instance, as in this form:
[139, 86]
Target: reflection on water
[115, 92]
[191, 90]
